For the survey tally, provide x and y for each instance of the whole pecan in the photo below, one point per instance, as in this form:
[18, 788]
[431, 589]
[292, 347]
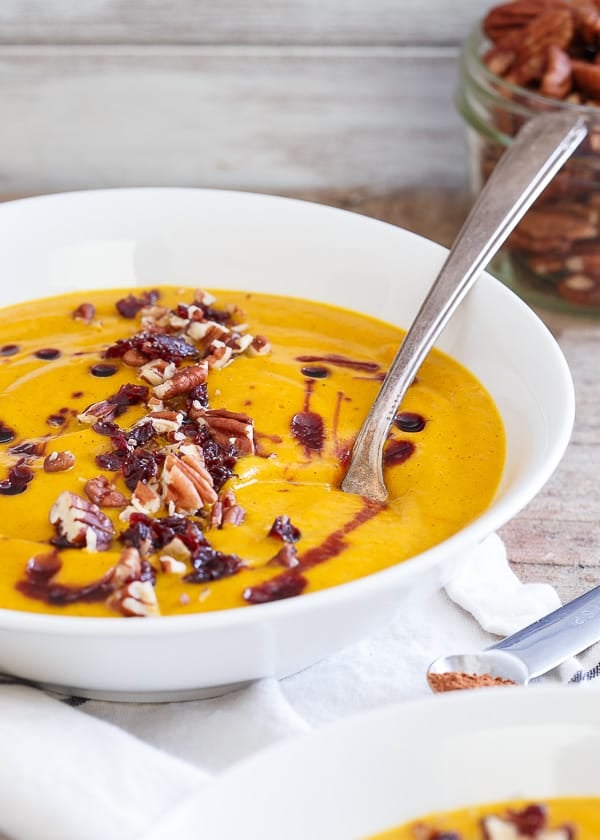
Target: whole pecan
[79, 523]
[101, 492]
[182, 382]
[187, 484]
[59, 461]
[557, 78]
[228, 428]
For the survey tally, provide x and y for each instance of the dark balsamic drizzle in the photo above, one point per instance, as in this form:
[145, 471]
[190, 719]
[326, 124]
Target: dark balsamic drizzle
[409, 421]
[315, 371]
[341, 361]
[397, 452]
[103, 370]
[6, 433]
[47, 354]
[9, 349]
[335, 542]
[19, 477]
[307, 426]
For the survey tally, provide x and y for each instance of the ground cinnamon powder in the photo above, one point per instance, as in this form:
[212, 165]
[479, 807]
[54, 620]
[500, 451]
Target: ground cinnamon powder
[455, 680]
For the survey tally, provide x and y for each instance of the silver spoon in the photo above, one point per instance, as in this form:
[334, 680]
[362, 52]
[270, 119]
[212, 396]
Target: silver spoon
[529, 164]
[534, 650]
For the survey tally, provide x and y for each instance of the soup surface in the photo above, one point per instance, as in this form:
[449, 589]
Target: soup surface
[163, 452]
[556, 819]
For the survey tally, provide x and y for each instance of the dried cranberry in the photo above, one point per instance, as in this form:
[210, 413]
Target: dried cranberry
[199, 394]
[286, 585]
[139, 465]
[129, 394]
[142, 433]
[309, 430]
[282, 529]
[409, 421]
[210, 564]
[171, 348]
[129, 306]
[221, 316]
[139, 533]
[19, 477]
[530, 821]
[159, 532]
[219, 462]
[111, 461]
[106, 427]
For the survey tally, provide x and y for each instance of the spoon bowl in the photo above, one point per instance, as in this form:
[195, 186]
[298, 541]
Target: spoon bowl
[542, 146]
[530, 652]
[498, 664]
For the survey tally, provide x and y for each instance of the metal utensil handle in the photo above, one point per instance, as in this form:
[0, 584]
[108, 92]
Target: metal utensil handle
[530, 163]
[568, 630]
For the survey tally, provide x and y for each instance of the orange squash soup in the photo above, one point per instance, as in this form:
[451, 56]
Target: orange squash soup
[164, 452]
[556, 819]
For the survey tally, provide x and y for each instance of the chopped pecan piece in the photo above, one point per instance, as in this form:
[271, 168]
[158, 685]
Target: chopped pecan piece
[165, 422]
[80, 523]
[182, 382]
[145, 499]
[226, 511]
[220, 355]
[58, 461]
[128, 568]
[171, 565]
[203, 298]
[205, 332]
[496, 828]
[228, 428]
[85, 312]
[133, 358]
[157, 371]
[101, 492]
[260, 346]
[135, 600]
[287, 556]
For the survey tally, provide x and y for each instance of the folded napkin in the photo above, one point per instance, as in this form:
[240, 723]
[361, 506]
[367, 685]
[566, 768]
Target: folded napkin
[90, 770]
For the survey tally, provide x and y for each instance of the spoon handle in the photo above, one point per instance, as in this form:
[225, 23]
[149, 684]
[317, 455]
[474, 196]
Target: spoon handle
[534, 157]
[554, 638]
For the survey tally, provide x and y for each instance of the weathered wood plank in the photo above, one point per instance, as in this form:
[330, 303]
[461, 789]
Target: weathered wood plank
[238, 21]
[259, 118]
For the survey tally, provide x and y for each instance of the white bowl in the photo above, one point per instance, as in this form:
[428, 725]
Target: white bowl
[237, 240]
[398, 763]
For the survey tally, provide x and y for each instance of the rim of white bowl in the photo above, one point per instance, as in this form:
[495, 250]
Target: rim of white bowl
[499, 512]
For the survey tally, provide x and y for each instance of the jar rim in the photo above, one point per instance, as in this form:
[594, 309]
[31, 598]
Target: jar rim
[472, 52]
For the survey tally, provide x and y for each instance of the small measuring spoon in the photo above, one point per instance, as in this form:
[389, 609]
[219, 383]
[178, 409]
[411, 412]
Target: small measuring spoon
[534, 650]
[536, 154]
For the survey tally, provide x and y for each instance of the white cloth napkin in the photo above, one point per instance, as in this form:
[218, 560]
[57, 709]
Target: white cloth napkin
[88, 770]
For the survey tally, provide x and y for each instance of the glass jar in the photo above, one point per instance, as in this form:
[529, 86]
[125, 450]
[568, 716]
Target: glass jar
[552, 259]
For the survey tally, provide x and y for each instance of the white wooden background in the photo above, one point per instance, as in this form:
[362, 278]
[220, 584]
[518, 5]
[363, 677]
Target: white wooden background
[277, 95]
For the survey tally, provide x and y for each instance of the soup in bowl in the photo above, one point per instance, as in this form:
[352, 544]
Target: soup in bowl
[172, 456]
